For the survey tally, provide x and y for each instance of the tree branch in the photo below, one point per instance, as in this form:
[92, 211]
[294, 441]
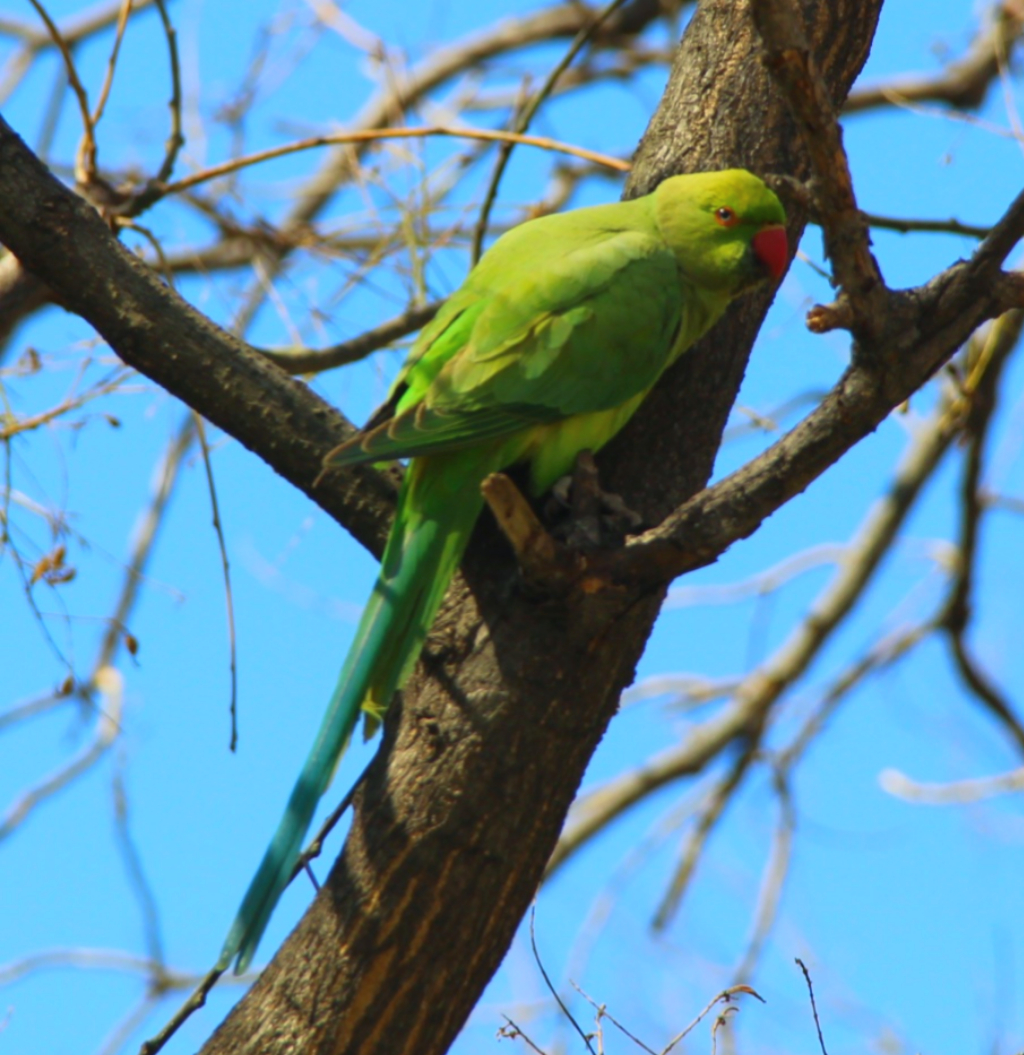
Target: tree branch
[63, 241]
[983, 388]
[962, 84]
[757, 693]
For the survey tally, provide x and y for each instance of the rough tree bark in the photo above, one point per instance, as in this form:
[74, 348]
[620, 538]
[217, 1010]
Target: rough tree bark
[483, 754]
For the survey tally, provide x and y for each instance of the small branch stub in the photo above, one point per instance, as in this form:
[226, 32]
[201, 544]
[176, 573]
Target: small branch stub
[543, 561]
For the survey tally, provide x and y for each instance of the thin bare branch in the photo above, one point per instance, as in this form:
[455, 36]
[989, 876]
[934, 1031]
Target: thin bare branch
[602, 1012]
[225, 565]
[760, 583]
[108, 77]
[194, 1002]
[85, 160]
[981, 387]
[108, 727]
[317, 360]
[547, 981]
[176, 138]
[404, 90]
[137, 878]
[87, 959]
[19, 712]
[525, 115]
[725, 996]
[814, 1006]
[956, 792]
[908, 226]
[73, 401]
[154, 188]
[165, 476]
[75, 29]
[511, 1031]
[963, 84]
[884, 653]
[374, 135]
[759, 690]
[708, 816]
[773, 880]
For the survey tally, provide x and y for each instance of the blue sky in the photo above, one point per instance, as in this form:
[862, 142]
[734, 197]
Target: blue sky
[909, 917]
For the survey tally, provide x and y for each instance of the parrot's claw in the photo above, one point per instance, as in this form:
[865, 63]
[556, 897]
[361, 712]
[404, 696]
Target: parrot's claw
[583, 516]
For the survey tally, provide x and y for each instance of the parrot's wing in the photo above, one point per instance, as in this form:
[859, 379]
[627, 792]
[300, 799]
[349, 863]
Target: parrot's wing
[584, 332]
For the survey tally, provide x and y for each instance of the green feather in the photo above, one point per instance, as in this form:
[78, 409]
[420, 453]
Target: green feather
[547, 350]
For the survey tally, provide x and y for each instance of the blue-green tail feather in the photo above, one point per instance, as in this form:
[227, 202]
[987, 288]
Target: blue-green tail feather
[431, 530]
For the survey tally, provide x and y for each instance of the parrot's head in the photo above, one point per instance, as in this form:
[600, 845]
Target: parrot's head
[727, 228]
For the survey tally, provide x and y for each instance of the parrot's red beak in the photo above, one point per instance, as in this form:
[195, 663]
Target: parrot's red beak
[772, 250]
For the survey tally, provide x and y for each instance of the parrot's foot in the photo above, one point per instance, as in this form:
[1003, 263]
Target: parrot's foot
[583, 516]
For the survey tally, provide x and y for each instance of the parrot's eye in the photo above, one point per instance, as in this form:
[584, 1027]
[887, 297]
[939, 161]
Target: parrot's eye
[726, 216]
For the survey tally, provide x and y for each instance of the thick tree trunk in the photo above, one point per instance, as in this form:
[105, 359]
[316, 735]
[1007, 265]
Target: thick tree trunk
[465, 800]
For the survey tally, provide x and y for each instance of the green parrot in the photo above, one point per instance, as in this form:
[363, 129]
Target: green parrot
[547, 350]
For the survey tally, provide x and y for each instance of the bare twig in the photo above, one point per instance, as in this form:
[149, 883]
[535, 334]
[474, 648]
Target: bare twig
[165, 476]
[108, 728]
[762, 582]
[981, 388]
[176, 138]
[512, 1031]
[73, 401]
[547, 981]
[954, 792]
[137, 878]
[316, 360]
[86, 959]
[194, 1002]
[72, 31]
[710, 813]
[882, 654]
[226, 572]
[548, 22]
[814, 1006]
[312, 851]
[725, 995]
[908, 226]
[373, 135]
[758, 691]
[773, 878]
[85, 160]
[154, 189]
[524, 116]
[603, 1012]
[108, 78]
[721, 1021]
[19, 712]
[962, 84]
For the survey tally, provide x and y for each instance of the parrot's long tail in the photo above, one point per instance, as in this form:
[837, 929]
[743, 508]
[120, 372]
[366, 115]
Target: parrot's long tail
[431, 529]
